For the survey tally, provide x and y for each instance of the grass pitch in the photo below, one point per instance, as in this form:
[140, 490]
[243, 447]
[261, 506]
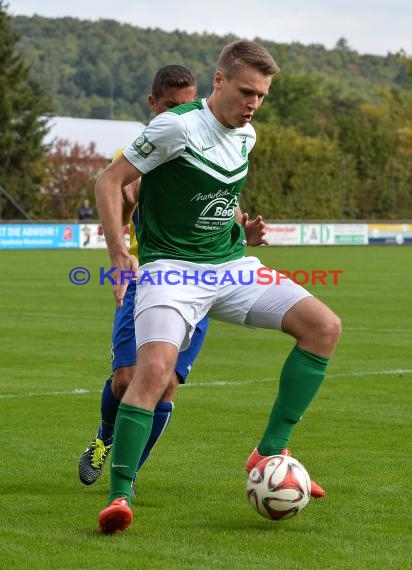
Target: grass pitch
[191, 511]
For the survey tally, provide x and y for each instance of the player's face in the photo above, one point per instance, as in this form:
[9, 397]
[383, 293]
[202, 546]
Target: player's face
[238, 98]
[171, 97]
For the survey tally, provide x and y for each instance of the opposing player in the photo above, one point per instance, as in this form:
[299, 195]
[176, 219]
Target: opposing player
[172, 86]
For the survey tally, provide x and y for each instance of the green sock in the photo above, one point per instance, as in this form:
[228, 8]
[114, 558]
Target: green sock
[131, 432]
[301, 376]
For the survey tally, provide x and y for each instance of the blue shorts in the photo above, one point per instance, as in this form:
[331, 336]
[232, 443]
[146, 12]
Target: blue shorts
[124, 340]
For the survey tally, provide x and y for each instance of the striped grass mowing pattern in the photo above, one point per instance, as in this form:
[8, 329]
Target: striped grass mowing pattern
[191, 511]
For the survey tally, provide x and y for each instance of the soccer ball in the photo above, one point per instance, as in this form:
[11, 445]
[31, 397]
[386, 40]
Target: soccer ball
[278, 487]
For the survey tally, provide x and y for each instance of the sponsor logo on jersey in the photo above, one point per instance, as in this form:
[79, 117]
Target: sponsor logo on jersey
[219, 210]
[210, 196]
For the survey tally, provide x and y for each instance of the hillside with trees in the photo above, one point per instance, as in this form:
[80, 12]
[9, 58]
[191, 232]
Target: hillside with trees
[334, 134]
[104, 69]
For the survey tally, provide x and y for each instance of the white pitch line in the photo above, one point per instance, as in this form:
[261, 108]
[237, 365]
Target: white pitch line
[373, 330]
[74, 392]
[395, 372]
[337, 375]
[81, 391]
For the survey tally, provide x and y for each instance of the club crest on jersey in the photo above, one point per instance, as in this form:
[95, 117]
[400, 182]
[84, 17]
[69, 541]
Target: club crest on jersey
[143, 146]
[243, 152]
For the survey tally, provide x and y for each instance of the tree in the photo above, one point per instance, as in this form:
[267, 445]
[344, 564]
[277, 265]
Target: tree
[342, 44]
[70, 177]
[22, 125]
[296, 177]
[367, 133]
[295, 100]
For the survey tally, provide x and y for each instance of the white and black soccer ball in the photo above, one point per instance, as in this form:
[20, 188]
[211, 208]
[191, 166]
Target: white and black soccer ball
[278, 487]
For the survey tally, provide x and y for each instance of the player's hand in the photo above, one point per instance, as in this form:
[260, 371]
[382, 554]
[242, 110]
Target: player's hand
[130, 194]
[255, 230]
[126, 268]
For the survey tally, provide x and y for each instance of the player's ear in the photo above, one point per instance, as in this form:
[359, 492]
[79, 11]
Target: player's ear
[152, 101]
[217, 79]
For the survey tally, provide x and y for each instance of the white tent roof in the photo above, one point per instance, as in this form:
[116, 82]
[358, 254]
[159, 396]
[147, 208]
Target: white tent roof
[108, 135]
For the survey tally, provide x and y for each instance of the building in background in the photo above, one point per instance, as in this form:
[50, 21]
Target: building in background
[107, 135]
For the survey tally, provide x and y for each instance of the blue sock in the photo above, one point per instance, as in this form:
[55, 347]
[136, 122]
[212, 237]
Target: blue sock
[161, 419]
[109, 408]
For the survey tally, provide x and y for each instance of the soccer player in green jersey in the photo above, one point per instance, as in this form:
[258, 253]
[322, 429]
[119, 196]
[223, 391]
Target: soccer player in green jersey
[172, 86]
[193, 161]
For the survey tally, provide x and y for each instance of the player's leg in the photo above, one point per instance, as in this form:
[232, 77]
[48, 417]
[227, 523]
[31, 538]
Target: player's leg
[278, 303]
[164, 323]
[161, 418]
[316, 329]
[159, 334]
[123, 363]
[164, 408]
[187, 357]
[160, 331]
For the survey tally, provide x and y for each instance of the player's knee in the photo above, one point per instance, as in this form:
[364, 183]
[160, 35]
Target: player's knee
[334, 328]
[171, 389]
[158, 371]
[121, 380]
[328, 332]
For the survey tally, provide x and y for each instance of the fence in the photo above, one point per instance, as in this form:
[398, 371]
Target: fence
[90, 236]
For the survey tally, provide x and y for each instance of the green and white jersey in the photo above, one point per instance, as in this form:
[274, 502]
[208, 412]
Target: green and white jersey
[194, 169]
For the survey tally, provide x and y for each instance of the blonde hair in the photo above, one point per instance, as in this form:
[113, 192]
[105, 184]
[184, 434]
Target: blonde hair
[245, 53]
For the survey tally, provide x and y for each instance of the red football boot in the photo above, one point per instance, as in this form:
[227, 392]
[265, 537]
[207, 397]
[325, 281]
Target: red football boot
[316, 490]
[116, 517]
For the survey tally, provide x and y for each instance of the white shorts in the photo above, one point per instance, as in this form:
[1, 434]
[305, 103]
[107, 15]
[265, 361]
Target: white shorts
[242, 291]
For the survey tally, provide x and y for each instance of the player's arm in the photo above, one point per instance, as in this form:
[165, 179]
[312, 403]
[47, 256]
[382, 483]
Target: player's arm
[109, 201]
[130, 195]
[255, 230]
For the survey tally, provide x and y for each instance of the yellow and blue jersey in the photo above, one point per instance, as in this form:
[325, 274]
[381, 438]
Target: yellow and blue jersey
[134, 224]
